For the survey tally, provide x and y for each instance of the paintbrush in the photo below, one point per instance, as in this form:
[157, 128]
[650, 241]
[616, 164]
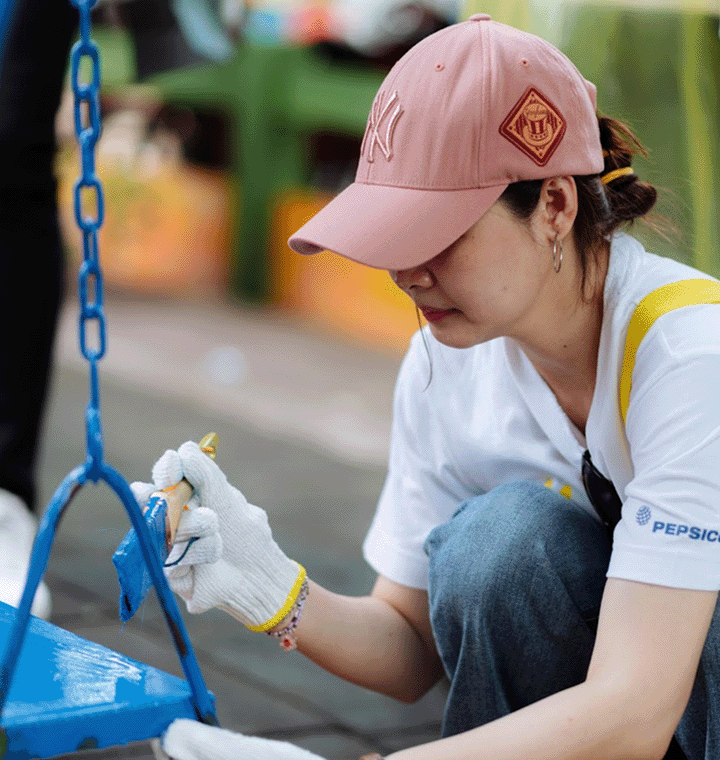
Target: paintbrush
[162, 513]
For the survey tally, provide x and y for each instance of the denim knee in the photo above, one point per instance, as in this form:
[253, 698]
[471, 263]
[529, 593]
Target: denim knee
[516, 580]
[510, 547]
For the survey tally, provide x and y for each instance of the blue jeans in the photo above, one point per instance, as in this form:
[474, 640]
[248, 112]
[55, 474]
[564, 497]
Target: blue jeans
[516, 580]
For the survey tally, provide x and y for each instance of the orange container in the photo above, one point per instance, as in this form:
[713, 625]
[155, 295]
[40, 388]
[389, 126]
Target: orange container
[345, 297]
[163, 235]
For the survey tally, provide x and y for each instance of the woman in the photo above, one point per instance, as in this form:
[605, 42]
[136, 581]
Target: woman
[492, 193]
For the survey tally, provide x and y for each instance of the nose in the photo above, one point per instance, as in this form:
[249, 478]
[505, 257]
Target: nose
[414, 277]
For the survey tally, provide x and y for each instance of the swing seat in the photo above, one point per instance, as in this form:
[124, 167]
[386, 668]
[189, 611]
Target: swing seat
[70, 694]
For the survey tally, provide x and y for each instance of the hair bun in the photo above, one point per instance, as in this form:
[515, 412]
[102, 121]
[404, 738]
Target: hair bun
[628, 197]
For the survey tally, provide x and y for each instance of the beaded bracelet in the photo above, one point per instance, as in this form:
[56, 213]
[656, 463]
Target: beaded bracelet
[287, 634]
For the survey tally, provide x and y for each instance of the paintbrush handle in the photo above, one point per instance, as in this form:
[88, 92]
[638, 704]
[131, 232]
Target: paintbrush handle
[177, 496]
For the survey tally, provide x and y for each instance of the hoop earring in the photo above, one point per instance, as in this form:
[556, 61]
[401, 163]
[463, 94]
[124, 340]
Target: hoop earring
[557, 253]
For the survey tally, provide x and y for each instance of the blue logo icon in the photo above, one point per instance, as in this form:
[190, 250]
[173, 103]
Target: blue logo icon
[697, 533]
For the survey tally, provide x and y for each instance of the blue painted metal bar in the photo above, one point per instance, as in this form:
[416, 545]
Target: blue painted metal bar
[203, 705]
[38, 562]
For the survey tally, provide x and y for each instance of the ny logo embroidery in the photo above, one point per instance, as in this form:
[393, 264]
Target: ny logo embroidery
[378, 114]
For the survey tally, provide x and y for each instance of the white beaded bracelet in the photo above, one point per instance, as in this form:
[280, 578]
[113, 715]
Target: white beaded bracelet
[287, 634]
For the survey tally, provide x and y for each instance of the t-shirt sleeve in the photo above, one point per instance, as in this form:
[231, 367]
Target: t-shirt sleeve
[415, 498]
[669, 534]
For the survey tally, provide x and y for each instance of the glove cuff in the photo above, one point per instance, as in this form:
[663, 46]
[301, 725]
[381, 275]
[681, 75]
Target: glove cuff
[287, 606]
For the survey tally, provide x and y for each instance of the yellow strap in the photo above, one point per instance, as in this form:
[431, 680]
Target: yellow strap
[654, 305]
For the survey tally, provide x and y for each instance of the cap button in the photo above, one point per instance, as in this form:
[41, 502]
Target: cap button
[480, 17]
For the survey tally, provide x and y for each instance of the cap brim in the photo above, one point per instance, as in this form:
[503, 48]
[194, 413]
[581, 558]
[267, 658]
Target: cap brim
[393, 227]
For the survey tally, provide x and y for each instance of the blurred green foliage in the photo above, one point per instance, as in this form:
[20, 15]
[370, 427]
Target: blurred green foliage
[701, 93]
[660, 74]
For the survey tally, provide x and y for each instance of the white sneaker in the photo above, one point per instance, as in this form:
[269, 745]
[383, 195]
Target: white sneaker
[17, 533]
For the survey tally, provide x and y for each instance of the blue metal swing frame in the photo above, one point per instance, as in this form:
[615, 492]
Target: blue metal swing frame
[199, 703]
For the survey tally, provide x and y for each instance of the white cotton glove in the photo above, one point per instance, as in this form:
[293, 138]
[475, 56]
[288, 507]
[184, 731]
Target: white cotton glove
[190, 740]
[234, 564]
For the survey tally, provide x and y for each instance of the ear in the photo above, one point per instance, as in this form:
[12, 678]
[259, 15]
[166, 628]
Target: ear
[558, 206]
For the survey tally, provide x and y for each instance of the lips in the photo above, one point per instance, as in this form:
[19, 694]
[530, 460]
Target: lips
[435, 315]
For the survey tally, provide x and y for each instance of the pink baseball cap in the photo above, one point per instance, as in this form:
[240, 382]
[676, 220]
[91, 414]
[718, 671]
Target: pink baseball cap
[464, 113]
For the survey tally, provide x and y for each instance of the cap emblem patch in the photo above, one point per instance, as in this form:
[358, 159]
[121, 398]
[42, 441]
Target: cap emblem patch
[534, 126]
[381, 126]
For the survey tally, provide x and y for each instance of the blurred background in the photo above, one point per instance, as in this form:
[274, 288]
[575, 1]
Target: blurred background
[227, 124]
[210, 167]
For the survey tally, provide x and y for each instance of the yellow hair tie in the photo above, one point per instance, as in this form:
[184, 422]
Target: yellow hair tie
[613, 175]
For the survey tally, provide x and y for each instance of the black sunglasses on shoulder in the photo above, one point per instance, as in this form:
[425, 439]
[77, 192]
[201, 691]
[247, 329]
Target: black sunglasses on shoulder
[601, 492]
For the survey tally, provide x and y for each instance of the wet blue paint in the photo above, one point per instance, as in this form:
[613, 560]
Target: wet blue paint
[133, 574]
[68, 692]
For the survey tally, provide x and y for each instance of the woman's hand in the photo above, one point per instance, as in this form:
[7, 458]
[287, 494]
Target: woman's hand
[233, 563]
[190, 740]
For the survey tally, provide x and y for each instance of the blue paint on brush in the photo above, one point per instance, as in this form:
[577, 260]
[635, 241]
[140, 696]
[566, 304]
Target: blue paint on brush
[133, 575]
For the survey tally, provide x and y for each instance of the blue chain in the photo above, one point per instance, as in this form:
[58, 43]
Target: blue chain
[87, 188]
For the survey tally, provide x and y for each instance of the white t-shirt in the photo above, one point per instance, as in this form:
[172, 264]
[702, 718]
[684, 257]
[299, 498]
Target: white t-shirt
[488, 418]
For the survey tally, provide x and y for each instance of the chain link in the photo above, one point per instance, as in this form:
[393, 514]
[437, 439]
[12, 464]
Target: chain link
[89, 214]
